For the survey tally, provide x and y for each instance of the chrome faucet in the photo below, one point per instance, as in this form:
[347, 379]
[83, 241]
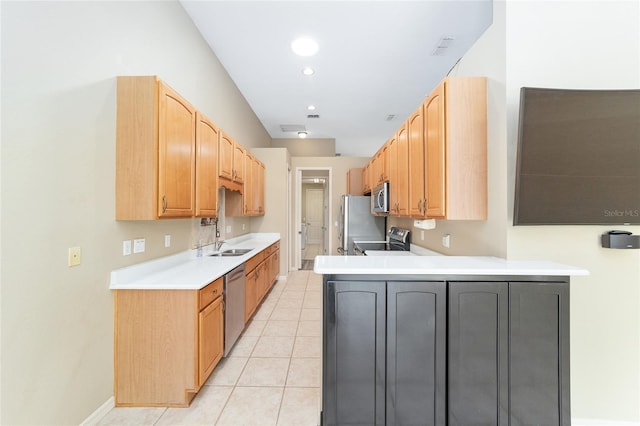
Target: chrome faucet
[217, 244]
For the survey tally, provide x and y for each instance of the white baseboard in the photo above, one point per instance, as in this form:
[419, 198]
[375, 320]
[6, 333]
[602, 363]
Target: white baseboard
[102, 411]
[600, 422]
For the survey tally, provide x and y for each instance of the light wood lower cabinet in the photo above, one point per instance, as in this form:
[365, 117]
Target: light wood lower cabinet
[261, 274]
[167, 343]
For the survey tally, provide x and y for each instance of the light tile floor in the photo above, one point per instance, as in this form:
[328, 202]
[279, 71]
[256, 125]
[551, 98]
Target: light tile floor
[271, 377]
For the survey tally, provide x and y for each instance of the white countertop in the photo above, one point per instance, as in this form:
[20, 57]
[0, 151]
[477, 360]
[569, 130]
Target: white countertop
[186, 271]
[440, 265]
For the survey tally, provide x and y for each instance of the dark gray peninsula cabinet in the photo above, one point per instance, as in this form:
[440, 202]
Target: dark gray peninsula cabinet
[445, 349]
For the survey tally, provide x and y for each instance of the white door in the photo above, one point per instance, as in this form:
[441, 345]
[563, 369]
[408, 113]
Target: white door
[315, 216]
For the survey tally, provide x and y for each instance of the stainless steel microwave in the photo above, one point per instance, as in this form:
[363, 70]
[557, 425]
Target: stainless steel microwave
[380, 199]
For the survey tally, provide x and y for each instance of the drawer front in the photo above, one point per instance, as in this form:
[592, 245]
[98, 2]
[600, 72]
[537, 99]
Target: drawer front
[210, 293]
[251, 264]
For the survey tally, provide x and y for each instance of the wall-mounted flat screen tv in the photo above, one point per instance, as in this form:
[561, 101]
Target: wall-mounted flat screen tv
[578, 160]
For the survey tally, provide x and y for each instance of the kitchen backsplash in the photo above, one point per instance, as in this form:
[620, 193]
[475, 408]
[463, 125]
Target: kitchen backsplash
[204, 229]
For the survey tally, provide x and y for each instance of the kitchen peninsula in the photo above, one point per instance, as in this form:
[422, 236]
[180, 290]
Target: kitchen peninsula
[445, 340]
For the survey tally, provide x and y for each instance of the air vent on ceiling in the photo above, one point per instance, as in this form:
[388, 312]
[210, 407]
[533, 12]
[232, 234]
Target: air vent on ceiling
[293, 128]
[313, 116]
[443, 45]
[390, 117]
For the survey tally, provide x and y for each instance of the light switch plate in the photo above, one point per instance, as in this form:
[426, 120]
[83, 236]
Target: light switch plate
[167, 240]
[138, 245]
[126, 247]
[74, 256]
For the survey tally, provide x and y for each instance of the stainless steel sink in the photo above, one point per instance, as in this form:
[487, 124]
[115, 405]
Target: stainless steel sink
[232, 252]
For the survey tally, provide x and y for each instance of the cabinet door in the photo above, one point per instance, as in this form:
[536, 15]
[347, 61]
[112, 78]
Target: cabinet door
[354, 358]
[257, 187]
[206, 167]
[225, 158]
[415, 144]
[392, 162]
[211, 339]
[435, 154]
[249, 186]
[539, 351]
[416, 353]
[402, 165]
[250, 295]
[238, 163]
[176, 154]
[478, 354]
[366, 186]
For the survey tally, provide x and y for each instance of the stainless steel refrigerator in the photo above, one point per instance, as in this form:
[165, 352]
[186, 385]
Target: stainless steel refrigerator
[356, 223]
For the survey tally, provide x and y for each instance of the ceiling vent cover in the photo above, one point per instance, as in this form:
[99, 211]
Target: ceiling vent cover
[293, 128]
[313, 116]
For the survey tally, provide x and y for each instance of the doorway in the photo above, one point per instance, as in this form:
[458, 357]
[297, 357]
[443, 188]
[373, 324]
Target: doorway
[312, 217]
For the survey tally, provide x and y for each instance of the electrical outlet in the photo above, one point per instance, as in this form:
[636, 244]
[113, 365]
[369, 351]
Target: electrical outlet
[243, 226]
[74, 256]
[126, 247]
[228, 229]
[422, 235]
[167, 240]
[446, 240]
[138, 245]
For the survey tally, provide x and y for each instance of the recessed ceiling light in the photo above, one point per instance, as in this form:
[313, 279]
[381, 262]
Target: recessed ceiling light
[311, 107]
[307, 71]
[302, 135]
[304, 47]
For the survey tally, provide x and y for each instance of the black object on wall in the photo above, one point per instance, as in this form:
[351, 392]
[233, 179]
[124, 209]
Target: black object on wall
[578, 158]
[620, 240]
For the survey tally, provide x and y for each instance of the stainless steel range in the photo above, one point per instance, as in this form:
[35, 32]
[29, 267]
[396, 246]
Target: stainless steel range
[399, 240]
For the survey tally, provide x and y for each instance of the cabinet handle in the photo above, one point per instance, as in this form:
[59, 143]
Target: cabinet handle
[424, 206]
[215, 291]
[164, 203]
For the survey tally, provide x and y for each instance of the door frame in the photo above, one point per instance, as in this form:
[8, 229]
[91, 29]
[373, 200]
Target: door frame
[297, 217]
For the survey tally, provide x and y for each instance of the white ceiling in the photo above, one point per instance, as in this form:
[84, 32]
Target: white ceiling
[375, 59]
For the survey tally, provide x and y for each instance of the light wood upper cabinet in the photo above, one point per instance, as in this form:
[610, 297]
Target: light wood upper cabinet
[207, 135]
[416, 163]
[463, 105]
[225, 158]
[238, 163]
[231, 161]
[253, 186]
[258, 187]
[447, 138]
[366, 179]
[401, 174]
[379, 167]
[176, 160]
[155, 151]
[435, 155]
[392, 161]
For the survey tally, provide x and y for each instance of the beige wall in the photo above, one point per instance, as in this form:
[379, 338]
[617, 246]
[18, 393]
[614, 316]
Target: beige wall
[339, 167]
[59, 63]
[574, 50]
[605, 307]
[277, 162]
[310, 147]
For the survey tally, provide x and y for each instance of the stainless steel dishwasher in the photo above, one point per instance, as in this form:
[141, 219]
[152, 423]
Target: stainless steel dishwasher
[233, 307]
